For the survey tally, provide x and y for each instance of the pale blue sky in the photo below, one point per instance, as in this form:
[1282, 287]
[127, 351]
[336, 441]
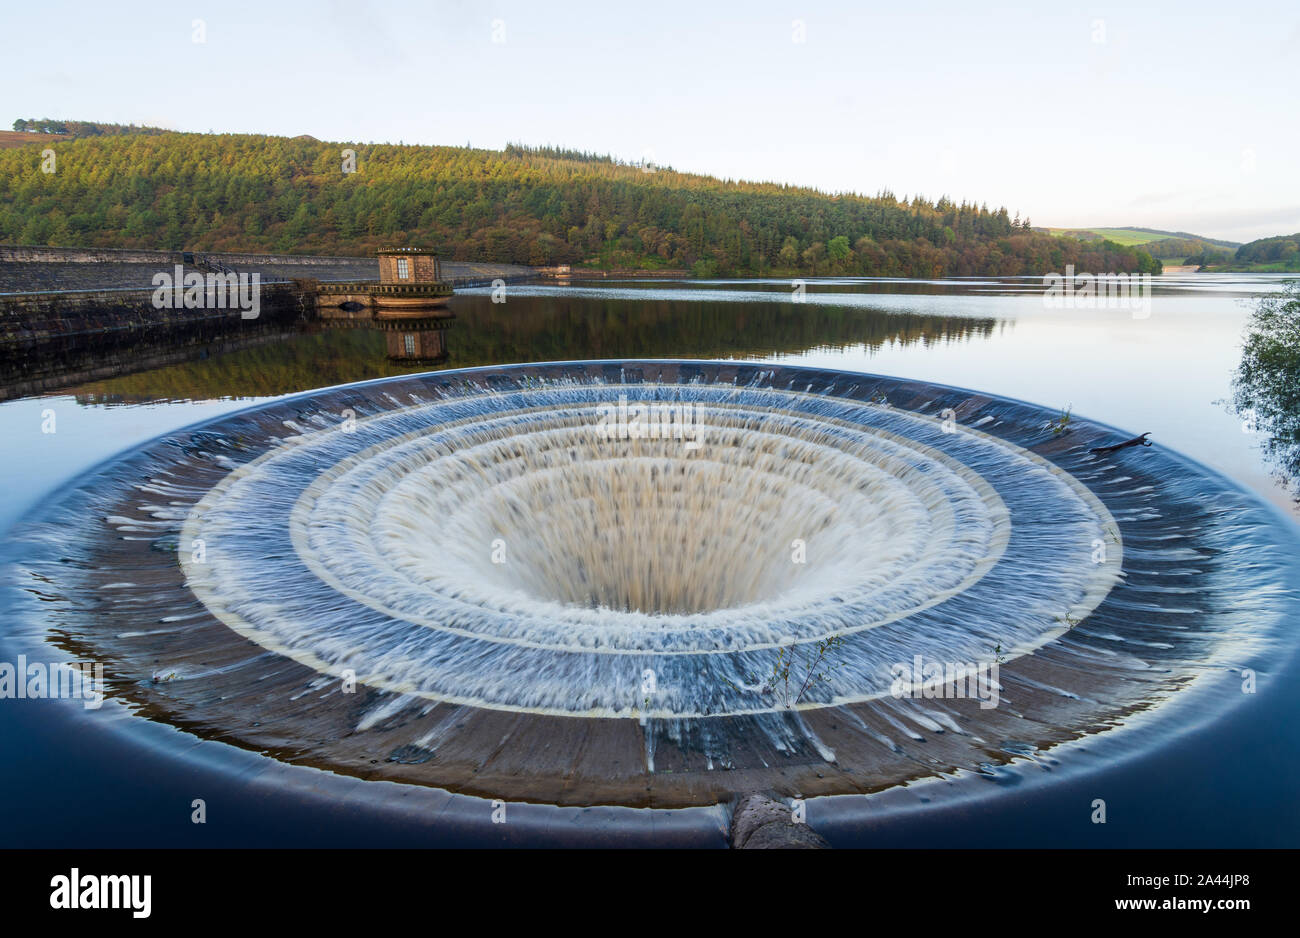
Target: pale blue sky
[1180, 115]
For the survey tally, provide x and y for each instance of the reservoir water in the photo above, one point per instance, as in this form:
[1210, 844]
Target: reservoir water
[1210, 776]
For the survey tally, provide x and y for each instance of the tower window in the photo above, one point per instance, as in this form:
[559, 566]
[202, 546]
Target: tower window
[403, 268]
[408, 342]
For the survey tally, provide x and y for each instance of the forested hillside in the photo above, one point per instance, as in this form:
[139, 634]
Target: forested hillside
[543, 206]
[1282, 251]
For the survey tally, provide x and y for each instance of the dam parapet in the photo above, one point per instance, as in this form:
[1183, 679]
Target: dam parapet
[36, 269]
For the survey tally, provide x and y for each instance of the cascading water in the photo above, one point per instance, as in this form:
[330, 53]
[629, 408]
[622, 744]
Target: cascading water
[655, 582]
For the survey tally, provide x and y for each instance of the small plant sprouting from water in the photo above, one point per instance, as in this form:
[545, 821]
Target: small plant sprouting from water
[817, 671]
[1061, 425]
[1069, 619]
[785, 684]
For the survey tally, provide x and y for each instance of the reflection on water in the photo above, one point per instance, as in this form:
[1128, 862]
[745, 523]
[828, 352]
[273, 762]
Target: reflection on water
[1166, 373]
[1266, 386]
[547, 325]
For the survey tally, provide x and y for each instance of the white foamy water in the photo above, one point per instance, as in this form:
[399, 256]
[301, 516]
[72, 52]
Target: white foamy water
[499, 550]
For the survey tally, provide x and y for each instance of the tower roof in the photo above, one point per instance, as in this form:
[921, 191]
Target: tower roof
[406, 251]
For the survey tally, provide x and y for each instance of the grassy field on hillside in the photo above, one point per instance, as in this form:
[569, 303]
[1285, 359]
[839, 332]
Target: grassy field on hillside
[1123, 236]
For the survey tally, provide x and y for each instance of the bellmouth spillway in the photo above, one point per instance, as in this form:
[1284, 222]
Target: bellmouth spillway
[653, 582]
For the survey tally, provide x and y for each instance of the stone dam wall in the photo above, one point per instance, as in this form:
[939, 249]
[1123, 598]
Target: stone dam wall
[55, 340]
[72, 315]
[26, 269]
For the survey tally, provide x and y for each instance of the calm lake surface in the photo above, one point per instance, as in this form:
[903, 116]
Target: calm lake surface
[1167, 373]
[1166, 370]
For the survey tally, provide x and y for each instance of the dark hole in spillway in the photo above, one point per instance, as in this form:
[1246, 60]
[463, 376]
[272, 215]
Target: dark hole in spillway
[654, 582]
